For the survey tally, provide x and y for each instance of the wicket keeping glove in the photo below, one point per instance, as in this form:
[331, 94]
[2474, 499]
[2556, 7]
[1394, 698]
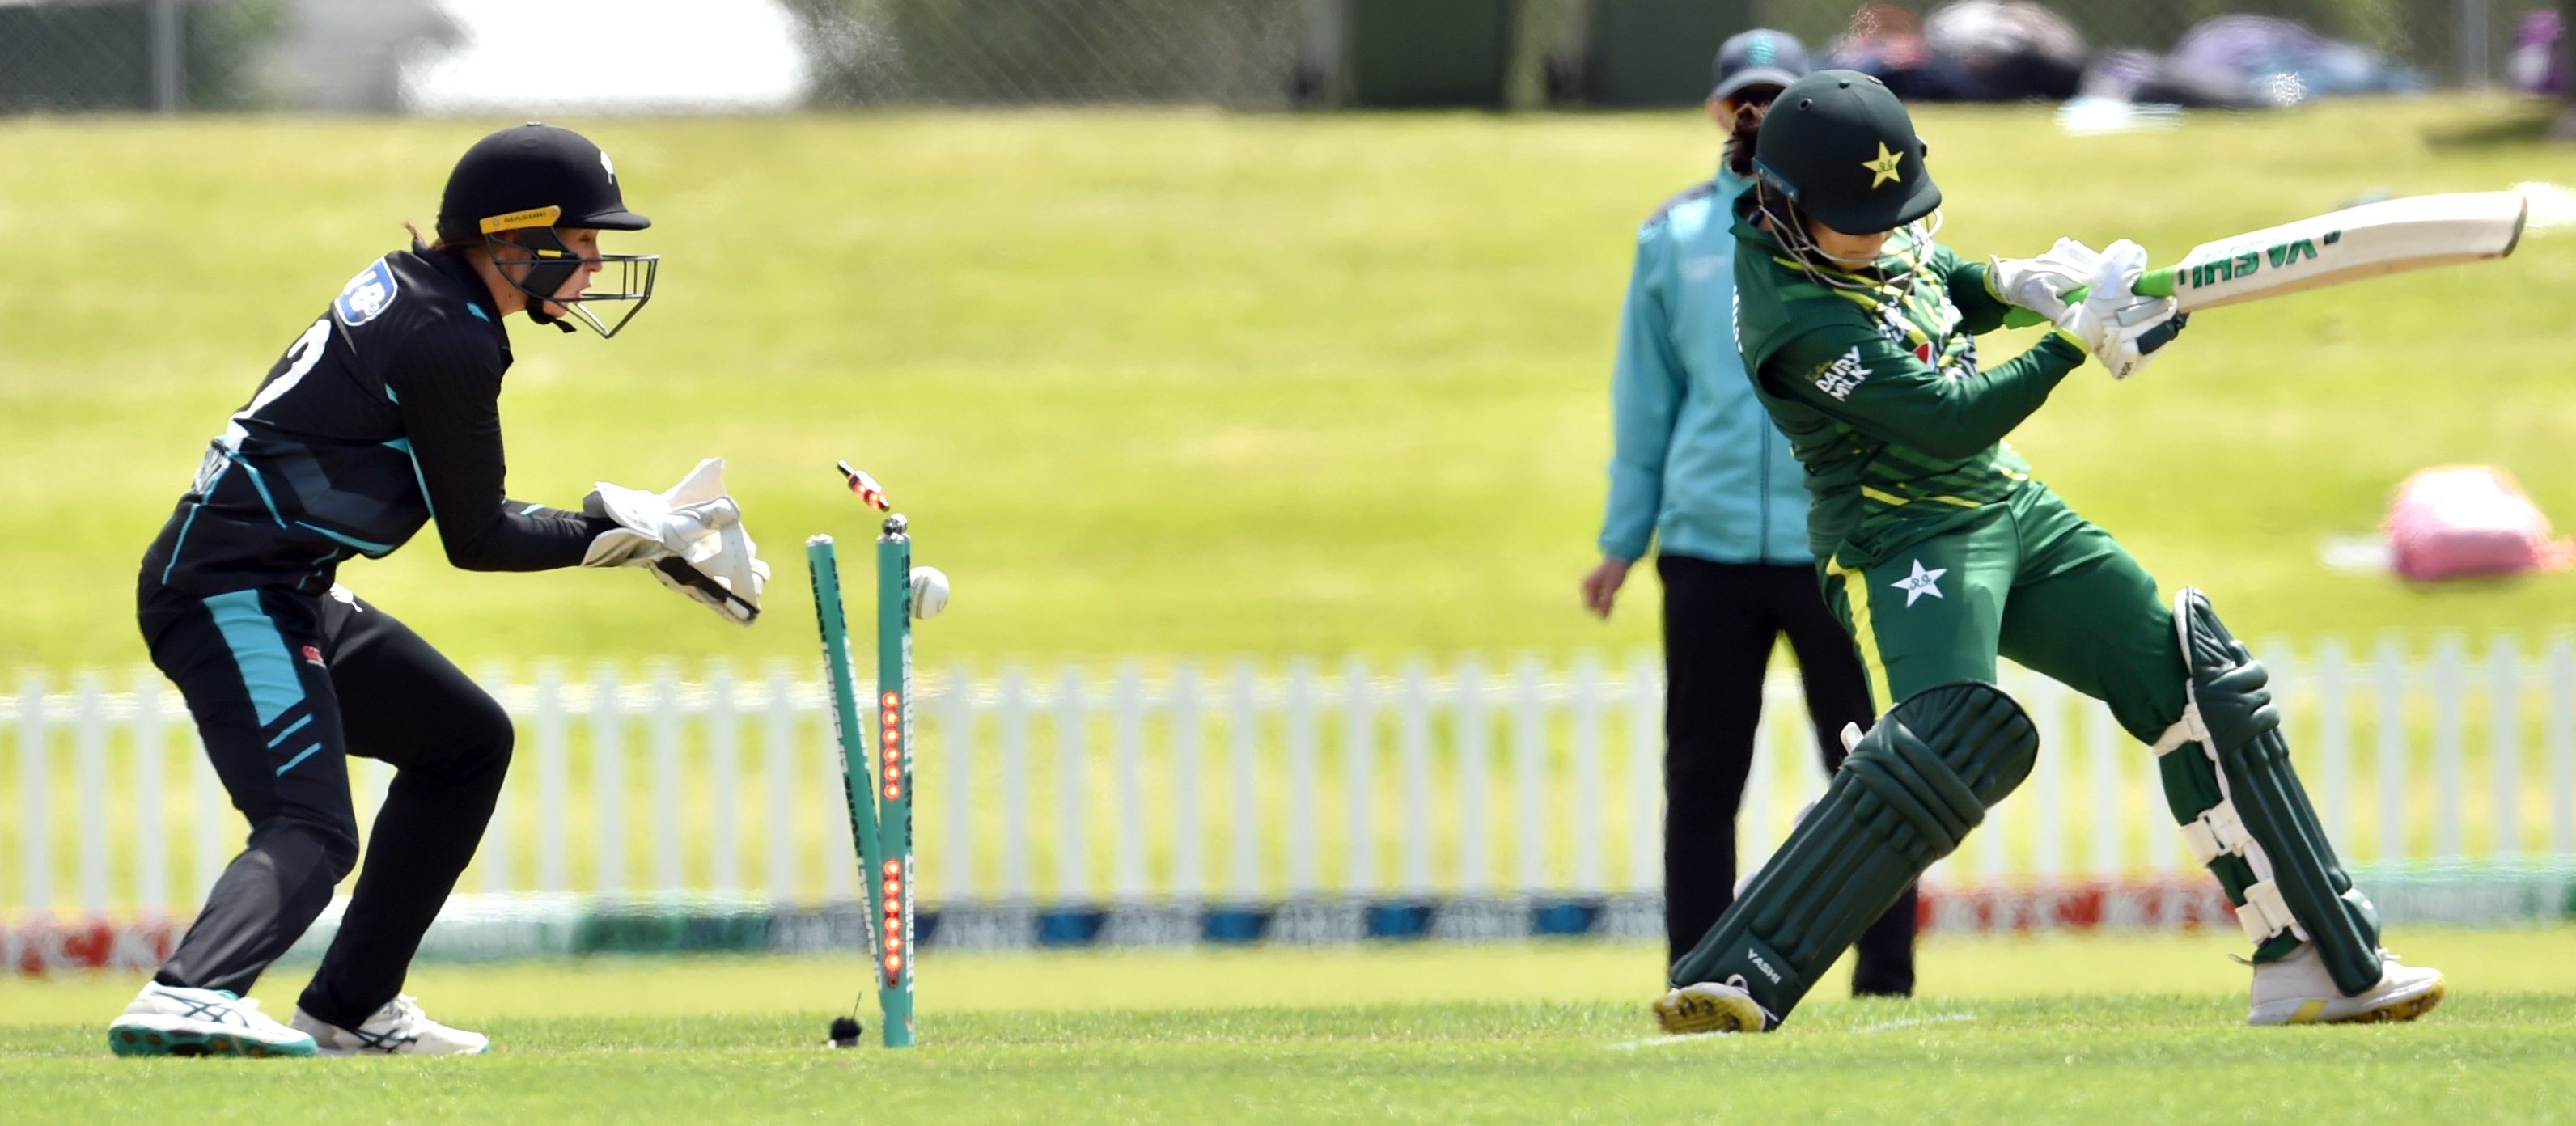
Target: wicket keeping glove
[690, 537]
[2120, 328]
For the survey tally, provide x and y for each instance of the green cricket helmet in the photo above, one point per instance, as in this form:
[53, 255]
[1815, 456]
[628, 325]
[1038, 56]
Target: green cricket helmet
[1840, 146]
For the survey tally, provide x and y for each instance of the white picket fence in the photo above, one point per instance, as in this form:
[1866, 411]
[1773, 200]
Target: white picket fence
[1247, 785]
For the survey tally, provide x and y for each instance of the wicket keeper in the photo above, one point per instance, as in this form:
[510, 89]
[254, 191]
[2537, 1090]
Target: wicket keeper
[1939, 551]
[383, 416]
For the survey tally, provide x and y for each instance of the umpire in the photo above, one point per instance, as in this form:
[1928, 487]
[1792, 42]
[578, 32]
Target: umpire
[1699, 470]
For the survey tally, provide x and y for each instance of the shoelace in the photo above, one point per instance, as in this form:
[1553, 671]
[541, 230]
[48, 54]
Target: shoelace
[225, 1011]
[404, 1020]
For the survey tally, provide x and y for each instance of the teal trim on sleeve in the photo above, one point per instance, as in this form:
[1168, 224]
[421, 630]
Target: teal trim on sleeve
[267, 670]
[298, 760]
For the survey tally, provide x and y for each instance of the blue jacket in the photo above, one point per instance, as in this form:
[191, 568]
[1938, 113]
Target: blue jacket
[1695, 459]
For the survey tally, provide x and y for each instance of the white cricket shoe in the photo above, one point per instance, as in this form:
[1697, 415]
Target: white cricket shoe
[2297, 990]
[169, 1021]
[1708, 1006]
[398, 1029]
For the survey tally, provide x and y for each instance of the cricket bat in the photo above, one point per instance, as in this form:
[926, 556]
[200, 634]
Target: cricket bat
[2388, 237]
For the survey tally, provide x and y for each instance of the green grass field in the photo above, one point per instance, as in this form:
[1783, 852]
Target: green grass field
[2132, 1029]
[1192, 384]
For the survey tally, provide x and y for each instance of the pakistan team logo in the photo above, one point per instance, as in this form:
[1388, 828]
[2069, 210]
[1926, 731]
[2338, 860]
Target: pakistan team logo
[1922, 583]
[1883, 169]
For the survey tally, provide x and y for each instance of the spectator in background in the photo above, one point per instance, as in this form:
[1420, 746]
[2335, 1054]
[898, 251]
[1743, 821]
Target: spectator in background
[1700, 472]
[1887, 43]
[2536, 65]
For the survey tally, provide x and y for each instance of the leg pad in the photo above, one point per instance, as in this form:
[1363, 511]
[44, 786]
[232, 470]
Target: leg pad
[1911, 790]
[2263, 814]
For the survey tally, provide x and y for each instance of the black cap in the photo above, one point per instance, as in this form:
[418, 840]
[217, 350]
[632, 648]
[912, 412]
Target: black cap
[1760, 57]
[512, 177]
[1840, 145]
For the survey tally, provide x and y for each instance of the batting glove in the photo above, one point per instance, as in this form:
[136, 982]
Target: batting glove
[2042, 284]
[2121, 329]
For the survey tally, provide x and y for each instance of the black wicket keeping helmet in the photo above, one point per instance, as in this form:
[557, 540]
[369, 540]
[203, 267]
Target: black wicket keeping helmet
[525, 182]
[1840, 145]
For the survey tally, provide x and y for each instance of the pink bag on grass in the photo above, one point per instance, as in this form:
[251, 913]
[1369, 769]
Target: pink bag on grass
[2468, 521]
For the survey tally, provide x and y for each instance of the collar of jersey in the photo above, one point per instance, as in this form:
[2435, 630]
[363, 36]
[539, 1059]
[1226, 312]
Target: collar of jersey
[476, 293]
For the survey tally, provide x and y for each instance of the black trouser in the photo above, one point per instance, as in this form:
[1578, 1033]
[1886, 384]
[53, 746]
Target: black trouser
[1721, 621]
[267, 674]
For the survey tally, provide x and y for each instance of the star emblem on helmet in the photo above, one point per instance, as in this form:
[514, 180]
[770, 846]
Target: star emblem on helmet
[1883, 169]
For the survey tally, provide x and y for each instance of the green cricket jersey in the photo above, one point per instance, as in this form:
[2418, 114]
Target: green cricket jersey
[1879, 391]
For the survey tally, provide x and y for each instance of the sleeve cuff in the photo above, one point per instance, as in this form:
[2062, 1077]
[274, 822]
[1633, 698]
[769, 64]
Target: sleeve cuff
[1628, 550]
[1986, 280]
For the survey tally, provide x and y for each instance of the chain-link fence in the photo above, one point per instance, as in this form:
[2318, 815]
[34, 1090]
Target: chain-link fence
[70, 55]
[352, 55]
[1227, 52]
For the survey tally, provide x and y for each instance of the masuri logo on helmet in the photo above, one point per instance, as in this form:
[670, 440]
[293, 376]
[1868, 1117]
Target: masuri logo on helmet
[528, 180]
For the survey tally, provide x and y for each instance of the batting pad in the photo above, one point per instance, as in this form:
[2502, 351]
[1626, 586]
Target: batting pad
[2262, 813]
[1912, 789]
